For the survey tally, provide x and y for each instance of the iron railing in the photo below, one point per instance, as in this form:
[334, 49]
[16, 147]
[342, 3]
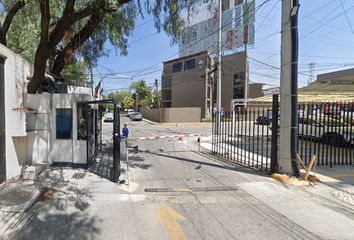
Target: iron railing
[324, 129]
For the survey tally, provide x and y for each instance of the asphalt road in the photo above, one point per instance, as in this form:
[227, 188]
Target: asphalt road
[177, 177]
[177, 193]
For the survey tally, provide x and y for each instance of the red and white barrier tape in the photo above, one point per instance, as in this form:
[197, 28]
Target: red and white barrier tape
[146, 138]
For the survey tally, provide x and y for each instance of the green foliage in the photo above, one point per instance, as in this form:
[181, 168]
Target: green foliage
[143, 91]
[113, 22]
[128, 102]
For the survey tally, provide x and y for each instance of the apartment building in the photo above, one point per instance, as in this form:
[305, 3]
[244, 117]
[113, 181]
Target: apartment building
[188, 82]
[191, 81]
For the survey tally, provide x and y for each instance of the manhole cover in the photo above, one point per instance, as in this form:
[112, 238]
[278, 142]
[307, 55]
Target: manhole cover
[17, 196]
[344, 195]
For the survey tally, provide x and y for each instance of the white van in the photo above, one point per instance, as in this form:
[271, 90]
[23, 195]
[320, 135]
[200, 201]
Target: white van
[130, 112]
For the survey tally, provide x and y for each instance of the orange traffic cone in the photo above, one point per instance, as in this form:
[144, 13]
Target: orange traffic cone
[180, 137]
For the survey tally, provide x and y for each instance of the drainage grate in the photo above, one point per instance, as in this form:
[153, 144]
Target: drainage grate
[78, 175]
[17, 196]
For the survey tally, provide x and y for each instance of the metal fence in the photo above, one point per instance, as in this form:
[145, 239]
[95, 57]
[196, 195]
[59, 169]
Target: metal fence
[236, 137]
[324, 129]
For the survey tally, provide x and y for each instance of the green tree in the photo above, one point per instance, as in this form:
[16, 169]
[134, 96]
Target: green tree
[128, 102]
[59, 31]
[143, 91]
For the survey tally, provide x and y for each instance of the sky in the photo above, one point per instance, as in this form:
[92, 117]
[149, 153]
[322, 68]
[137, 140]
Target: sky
[326, 41]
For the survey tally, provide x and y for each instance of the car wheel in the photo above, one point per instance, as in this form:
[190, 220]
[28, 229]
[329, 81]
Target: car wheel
[333, 139]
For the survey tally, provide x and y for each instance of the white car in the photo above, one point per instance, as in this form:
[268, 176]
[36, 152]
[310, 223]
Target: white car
[108, 117]
[130, 112]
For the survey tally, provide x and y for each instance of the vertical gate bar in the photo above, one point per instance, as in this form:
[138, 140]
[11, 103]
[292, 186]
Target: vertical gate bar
[274, 142]
[241, 143]
[322, 140]
[267, 142]
[258, 135]
[311, 139]
[253, 133]
[228, 135]
[234, 133]
[262, 139]
[317, 141]
[249, 136]
[351, 107]
[345, 129]
[330, 128]
[238, 132]
[246, 141]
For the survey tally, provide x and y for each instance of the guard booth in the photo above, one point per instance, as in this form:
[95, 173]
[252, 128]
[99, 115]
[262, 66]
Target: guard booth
[89, 115]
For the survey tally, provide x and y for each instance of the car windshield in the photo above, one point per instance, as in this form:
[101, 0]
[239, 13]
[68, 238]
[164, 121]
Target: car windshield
[137, 113]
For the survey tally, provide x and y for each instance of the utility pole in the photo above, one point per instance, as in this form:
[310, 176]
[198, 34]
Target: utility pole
[218, 81]
[158, 100]
[287, 162]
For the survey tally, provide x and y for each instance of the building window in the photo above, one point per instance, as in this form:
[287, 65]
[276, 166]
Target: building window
[208, 93]
[189, 64]
[238, 92]
[167, 82]
[166, 95]
[64, 123]
[177, 67]
[239, 78]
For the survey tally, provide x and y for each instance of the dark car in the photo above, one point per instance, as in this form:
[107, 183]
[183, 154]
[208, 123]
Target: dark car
[264, 120]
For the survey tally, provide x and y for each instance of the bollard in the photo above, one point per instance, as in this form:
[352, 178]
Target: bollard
[180, 138]
[199, 144]
[128, 167]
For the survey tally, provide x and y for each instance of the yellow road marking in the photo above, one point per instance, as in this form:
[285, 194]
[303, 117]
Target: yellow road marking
[154, 134]
[169, 219]
[345, 175]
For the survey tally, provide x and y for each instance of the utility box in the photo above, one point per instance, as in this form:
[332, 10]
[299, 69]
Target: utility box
[123, 147]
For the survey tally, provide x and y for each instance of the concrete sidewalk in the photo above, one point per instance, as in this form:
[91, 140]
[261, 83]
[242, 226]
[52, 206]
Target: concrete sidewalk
[92, 207]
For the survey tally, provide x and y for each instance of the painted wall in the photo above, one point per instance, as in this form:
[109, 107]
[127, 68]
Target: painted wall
[15, 71]
[173, 115]
[30, 121]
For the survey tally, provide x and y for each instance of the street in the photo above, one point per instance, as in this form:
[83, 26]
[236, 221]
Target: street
[175, 192]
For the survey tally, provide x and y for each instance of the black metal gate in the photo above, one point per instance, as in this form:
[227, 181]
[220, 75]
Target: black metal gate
[2, 122]
[90, 129]
[246, 134]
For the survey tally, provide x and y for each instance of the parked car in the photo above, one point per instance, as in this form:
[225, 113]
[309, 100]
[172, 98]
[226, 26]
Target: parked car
[331, 110]
[329, 130]
[108, 117]
[137, 116]
[130, 112]
[266, 119]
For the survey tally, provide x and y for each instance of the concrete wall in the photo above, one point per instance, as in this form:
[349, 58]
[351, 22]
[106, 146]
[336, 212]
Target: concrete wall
[15, 71]
[30, 135]
[173, 115]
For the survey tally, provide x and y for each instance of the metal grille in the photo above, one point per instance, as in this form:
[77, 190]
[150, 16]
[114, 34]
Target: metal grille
[78, 175]
[17, 196]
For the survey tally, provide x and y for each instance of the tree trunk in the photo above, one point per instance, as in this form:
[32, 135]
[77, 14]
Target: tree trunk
[43, 50]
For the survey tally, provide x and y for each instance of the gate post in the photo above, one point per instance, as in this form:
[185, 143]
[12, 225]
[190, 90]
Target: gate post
[275, 126]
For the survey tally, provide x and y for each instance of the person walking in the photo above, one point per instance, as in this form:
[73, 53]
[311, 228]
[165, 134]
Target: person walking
[125, 131]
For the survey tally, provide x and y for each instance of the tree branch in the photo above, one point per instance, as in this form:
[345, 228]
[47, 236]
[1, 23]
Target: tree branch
[8, 20]
[75, 43]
